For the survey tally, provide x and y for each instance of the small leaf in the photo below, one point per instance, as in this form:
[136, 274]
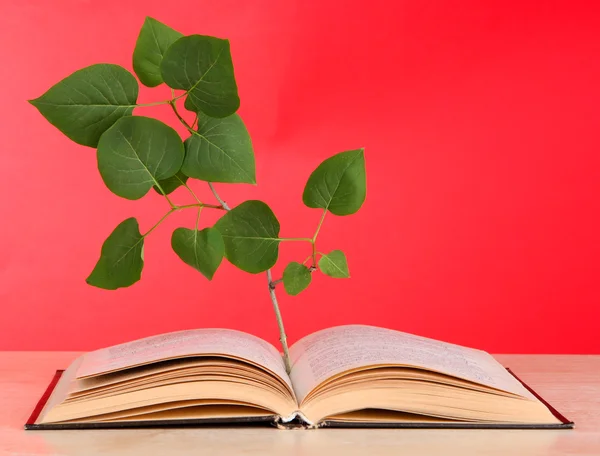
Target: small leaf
[251, 235]
[122, 258]
[338, 184]
[220, 151]
[203, 250]
[334, 264]
[202, 65]
[152, 43]
[296, 278]
[170, 184]
[87, 103]
[136, 153]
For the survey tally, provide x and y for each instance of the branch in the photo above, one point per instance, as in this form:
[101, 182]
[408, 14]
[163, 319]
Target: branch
[158, 103]
[272, 285]
[314, 241]
[282, 336]
[223, 203]
[181, 119]
[210, 206]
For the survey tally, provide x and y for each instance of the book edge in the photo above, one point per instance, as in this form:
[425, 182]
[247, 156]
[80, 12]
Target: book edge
[559, 416]
[31, 421]
[564, 422]
[297, 420]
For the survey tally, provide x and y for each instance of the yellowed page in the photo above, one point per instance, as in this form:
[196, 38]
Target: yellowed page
[179, 344]
[256, 395]
[329, 352]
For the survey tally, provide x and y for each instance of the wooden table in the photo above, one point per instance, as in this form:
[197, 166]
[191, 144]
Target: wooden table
[569, 382]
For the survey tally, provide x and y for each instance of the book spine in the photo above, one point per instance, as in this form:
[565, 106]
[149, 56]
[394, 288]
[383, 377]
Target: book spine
[296, 420]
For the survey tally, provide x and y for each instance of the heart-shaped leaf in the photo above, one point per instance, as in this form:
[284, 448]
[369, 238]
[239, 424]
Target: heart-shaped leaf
[152, 43]
[87, 103]
[170, 184]
[203, 250]
[220, 151]
[296, 278]
[202, 65]
[137, 153]
[334, 264]
[122, 258]
[338, 184]
[251, 235]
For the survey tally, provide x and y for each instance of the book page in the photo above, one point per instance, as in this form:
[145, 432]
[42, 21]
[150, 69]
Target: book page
[227, 342]
[326, 353]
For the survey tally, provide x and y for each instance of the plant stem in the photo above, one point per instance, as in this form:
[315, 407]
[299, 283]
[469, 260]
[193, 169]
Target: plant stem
[295, 239]
[214, 192]
[176, 208]
[314, 240]
[158, 103]
[198, 217]
[272, 285]
[181, 119]
[158, 223]
[282, 336]
[164, 194]
[188, 189]
[211, 206]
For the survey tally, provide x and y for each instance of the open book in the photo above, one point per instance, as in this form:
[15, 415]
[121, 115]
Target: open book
[344, 376]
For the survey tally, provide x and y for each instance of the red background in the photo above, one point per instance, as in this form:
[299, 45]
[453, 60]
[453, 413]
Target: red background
[480, 122]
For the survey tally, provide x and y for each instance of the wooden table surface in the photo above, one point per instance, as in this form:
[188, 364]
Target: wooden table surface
[569, 382]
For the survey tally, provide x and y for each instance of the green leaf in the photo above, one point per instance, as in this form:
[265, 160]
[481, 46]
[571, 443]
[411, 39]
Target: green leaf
[296, 278]
[202, 65]
[334, 264]
[251, 235]
[87, 103]
[338, 184]
[203, 250]
[137, 153]
[170, 184]
[220, 151]
[152, 43]
[122, 258]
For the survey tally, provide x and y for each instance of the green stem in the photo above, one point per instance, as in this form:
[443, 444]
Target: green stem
[295, 239]
[158, 103]
[188, 189]
[164, 194]
[192, 193]
[186, 206]
[319, 225]
[181, 119]
[158, 223]
[211, 206]
[198, 217]
[314, 239]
